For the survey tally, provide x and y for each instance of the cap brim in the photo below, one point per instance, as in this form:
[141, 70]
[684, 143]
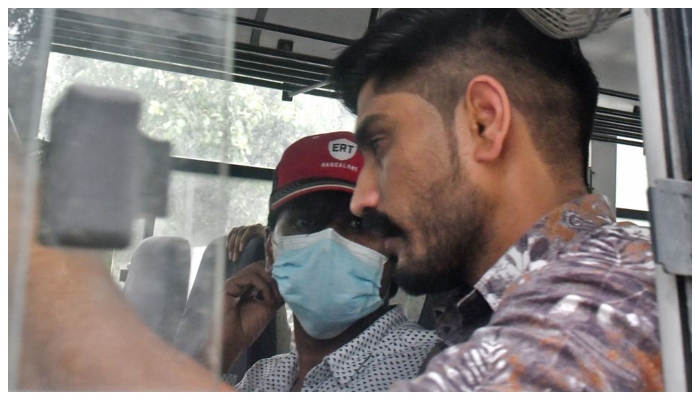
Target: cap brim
[312, 188]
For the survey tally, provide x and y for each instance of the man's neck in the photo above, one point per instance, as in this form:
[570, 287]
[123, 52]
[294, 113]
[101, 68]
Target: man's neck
[312, 351]
[516, 217]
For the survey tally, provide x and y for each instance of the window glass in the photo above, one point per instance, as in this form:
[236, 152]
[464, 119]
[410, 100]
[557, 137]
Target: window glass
[203, 118]
[202, 208]
[639, 222]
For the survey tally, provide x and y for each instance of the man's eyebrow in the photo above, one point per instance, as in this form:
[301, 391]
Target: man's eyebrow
[363, 134]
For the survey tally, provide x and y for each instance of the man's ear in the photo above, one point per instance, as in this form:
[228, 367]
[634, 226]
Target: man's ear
[489, 112]
[269, 258]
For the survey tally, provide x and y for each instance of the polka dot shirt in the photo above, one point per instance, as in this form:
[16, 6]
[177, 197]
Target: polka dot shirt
[391, 349]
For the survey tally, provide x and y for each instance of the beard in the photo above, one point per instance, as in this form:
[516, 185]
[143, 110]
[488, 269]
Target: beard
[455, 239]
[451, 218]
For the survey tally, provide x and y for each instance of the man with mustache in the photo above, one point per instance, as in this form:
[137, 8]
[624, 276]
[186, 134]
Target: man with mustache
[475, 128]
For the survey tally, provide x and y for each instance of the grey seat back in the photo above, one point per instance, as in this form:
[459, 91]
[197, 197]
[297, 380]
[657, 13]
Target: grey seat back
[194, 327]
[157, 281]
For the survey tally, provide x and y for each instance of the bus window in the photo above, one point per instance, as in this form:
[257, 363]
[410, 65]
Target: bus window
[231, 89]
[204, 118]
[631, 178]
[219, 121]
[631, 188]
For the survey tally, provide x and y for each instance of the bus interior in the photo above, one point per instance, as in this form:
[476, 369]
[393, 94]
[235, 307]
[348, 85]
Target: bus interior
[212, 97]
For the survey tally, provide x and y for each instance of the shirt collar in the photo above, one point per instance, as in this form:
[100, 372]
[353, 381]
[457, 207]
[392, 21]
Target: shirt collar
[552, 231]
[345, 362]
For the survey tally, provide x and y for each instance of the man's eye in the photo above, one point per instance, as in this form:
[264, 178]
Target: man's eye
[375, 144]
[302, 223]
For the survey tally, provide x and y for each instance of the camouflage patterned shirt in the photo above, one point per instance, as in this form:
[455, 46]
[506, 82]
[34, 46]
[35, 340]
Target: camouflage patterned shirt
[574, 309]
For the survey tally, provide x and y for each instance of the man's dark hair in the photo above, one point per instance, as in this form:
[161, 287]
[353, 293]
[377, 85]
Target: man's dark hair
[435, 53]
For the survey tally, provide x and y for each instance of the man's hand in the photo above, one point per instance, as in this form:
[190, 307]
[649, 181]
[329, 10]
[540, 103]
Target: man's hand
[238, 237]
[251, 301]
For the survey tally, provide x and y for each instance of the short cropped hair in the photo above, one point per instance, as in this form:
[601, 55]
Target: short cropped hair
[435, 53]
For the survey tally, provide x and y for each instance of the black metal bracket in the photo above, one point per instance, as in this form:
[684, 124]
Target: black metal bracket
[670, 202]
[288, 95]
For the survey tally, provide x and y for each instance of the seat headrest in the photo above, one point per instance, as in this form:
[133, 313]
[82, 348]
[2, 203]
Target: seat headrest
[157, 280]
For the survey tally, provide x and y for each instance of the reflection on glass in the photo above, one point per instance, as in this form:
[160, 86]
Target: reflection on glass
[202, 208]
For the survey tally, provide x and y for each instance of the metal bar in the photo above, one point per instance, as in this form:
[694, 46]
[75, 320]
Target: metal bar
[635, 126]
[667, 293]
[21, 255]
[616, 132]
[675, 91]
[629, 130]
[600, 127]
[318, 61]
[134, 54]
[619, 94]
[183, 69]
[180, 55]
[278, 70]
[632, 214]
[281, 62]
[266, 26]
[309, 88]
[293, 31]
[619, 113]
[214, 168]
[613, 139]
[108, 28]
[255, 34]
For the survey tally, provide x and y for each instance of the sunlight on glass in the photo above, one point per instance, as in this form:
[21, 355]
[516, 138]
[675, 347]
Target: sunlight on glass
[631, 187]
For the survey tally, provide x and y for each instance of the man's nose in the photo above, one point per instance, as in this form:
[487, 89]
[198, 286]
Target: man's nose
[366, 195]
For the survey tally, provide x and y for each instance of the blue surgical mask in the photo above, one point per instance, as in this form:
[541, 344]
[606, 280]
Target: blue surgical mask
[328, 281]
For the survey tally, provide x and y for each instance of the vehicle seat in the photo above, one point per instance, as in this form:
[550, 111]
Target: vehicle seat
[194, 328]
[427, 317]
[157, 280]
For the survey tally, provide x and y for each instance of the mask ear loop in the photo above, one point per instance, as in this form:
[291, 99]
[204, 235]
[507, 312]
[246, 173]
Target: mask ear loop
[275, 243]
[386, 297]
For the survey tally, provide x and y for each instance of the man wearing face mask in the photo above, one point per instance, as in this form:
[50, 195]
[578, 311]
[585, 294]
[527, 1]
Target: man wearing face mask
[330, 271]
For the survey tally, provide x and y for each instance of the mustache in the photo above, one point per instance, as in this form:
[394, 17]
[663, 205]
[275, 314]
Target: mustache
[378, 223]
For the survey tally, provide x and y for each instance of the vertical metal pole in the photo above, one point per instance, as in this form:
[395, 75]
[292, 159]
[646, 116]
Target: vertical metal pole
[656, 111]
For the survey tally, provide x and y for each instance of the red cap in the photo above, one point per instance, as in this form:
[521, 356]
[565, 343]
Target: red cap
[328, 161]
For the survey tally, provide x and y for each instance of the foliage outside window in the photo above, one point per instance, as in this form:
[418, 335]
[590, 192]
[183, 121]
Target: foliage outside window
[203, 118]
